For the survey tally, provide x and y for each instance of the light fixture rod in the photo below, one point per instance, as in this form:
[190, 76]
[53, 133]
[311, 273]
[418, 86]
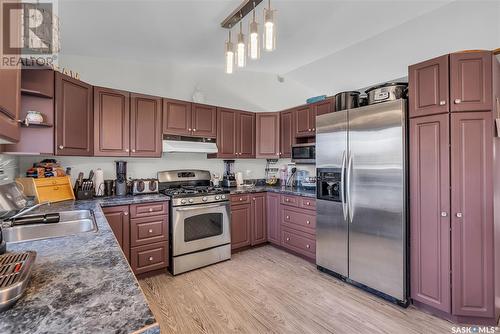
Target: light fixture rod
[239, 13]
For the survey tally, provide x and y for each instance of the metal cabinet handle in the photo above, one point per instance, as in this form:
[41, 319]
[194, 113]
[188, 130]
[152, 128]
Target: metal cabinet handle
[241, 199]
[308, 246]
[127, 150]
[150, 258]
[61, 147]
[253, 198]
[444, 214]
[308, 222]
[125, 213]
[150, 209]
[459, 215]
[194, 130]
[442, 103]
[190, 129]
[458, 101]
[287, 200]
[309, 130]
[287, 239]
[150, 231]
[133, 150]
[287, 217]
[308, 203]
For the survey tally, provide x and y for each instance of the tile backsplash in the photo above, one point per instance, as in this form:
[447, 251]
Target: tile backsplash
[8, 168]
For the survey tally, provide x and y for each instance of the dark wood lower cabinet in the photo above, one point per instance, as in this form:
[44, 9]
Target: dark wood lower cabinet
[273, 218]
[241, 217]
[142, 232]
[259, 219]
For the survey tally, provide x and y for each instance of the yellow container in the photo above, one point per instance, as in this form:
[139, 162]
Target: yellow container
[51, 189]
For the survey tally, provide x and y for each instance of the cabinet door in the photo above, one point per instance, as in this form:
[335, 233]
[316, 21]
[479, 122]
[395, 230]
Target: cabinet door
[226, 133]
[145, 126]
[111, 122]
[204, 121]
[323, 107]
[471, 81]
[428, 87]
[74, 117]
[177, 117]
[430, 211]
[268, 135]
[259, 219]
[472, 209]
[10, 104]
[273, 218]
[246, 135]
[118, 220]
[241, 217]
[303, 121]
[287, 133]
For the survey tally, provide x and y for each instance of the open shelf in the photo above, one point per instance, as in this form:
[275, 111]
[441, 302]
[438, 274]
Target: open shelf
[36, 125]
[25, 91]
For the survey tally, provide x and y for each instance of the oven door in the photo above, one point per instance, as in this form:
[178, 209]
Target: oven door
[199, 227]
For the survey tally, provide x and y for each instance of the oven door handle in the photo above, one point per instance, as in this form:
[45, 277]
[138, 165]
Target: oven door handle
[199, 207]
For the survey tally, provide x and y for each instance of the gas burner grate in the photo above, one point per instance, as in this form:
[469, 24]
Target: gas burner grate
[15, 271]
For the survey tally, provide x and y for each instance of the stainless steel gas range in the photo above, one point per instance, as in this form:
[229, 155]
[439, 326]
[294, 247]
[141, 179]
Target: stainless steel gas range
[200, 216]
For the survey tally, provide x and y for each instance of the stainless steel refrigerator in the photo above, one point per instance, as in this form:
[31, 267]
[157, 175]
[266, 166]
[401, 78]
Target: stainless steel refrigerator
[361, 197]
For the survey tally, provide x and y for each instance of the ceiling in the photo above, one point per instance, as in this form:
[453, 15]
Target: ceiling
[189, 32]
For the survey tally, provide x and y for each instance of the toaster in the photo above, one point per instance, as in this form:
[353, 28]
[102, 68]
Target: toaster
[144, 186]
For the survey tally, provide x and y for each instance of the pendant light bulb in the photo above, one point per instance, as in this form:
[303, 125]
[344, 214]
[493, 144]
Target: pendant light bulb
[254, 45]
[269, 28]
[229, 54]
[240, 49]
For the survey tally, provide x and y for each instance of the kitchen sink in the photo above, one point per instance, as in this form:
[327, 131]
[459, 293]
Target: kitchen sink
[70, 223]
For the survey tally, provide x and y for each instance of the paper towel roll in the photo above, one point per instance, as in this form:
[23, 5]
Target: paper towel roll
[99, 182]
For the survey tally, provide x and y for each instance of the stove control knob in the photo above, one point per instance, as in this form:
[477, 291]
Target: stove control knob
[222, 196]
[217, 197]
[204, 199]
[183, 201]
[190, 200]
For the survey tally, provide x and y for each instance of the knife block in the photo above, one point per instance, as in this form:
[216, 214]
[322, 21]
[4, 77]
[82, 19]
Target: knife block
[85, 194]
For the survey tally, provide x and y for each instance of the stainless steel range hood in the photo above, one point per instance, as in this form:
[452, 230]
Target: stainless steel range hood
[189, 145]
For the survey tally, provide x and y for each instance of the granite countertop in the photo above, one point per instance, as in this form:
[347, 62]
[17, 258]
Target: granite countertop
[311, 193]
[81, 283]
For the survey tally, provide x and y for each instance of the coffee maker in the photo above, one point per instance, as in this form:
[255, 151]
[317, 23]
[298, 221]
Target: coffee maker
[121, 178]
[229, 180]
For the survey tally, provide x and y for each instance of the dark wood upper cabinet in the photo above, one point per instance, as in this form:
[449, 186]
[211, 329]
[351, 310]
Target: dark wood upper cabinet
[430, 211]
[259, 219]
[177, 117]
[226, 133]
[10, 104]
[241, 218]
[245, 134]
[111, 122]
[429, 87]
[119, 220]
[303, 121]
[287, 133]
[471, 81]
[323, 107]
[74, 117]
[145, 126]
[268, 135]
[273, 217]
[34, 82]
[472, 229]
[204, 120]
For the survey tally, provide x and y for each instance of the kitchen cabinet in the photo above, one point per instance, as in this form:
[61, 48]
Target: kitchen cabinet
[259, 219]
[273, 218]
[118, 220]
[304, 126]
[428, 89]
[241, 217]
[235, 134]
[189, 119]
[471, 81]
[111, 122]
[472, 214]
[245, 135]
[145, 126]
[287, 133]
[323, 107]
[430, 211]
[268, 135]
[10, 104]
[74, 117]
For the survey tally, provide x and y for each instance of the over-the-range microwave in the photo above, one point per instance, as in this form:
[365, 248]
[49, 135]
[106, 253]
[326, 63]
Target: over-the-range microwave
[304, 153]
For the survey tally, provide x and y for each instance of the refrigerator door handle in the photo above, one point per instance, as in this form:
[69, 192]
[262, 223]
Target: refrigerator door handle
[349, 197]
[342, 186]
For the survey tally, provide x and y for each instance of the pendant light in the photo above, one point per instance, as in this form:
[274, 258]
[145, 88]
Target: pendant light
[240, 49]
[269, 28]
[229, 53]
[253, 45]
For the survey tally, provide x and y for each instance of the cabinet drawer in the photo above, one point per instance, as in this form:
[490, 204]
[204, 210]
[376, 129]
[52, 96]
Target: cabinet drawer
[298, 243]
[54, 193]
[148, 230]
[240, 199]
[308, 203]
[290, 200]
[299, 220]
[51, 181]
[148, 209]
[149, 257]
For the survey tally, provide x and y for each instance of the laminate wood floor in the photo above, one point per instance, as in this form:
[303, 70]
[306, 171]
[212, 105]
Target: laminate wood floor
[266, 290]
